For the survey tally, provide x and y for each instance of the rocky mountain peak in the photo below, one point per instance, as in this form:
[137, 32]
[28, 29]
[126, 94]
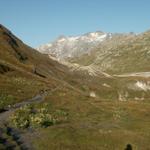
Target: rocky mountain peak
[72, 46]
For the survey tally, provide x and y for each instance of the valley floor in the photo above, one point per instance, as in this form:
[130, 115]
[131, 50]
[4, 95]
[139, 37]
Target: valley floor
[94, 124]
[99, 125]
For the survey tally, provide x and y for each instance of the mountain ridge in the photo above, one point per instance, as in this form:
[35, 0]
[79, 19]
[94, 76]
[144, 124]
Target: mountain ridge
[68, 46]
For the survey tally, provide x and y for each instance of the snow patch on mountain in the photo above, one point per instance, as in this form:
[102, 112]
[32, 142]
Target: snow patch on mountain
[74, 46]
[140, 86]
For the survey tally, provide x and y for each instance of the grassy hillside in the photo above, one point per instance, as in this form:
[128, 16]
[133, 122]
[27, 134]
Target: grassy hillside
[24, 71]
[80, 111]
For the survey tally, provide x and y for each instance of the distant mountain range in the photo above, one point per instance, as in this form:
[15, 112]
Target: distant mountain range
[73, 46]
[123, 57]
[111, 53]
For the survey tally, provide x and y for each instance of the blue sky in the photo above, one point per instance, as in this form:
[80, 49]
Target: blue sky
[40, 21]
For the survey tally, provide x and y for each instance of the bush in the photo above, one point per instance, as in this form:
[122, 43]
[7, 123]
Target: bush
[20, 118]
[29, 116]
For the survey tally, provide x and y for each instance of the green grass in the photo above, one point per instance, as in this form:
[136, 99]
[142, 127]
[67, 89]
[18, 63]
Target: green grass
[6, 100]
[94, 125]
[16, 88]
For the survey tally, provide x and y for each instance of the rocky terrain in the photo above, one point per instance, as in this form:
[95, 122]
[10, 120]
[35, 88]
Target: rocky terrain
[74, 46]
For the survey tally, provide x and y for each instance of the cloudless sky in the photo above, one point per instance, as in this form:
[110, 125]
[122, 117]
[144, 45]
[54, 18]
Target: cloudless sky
[41, 21]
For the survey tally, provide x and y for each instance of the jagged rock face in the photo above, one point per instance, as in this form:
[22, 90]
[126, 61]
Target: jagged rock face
[74, 46]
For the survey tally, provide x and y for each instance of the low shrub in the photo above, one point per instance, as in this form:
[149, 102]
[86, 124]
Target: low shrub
[31, 116]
